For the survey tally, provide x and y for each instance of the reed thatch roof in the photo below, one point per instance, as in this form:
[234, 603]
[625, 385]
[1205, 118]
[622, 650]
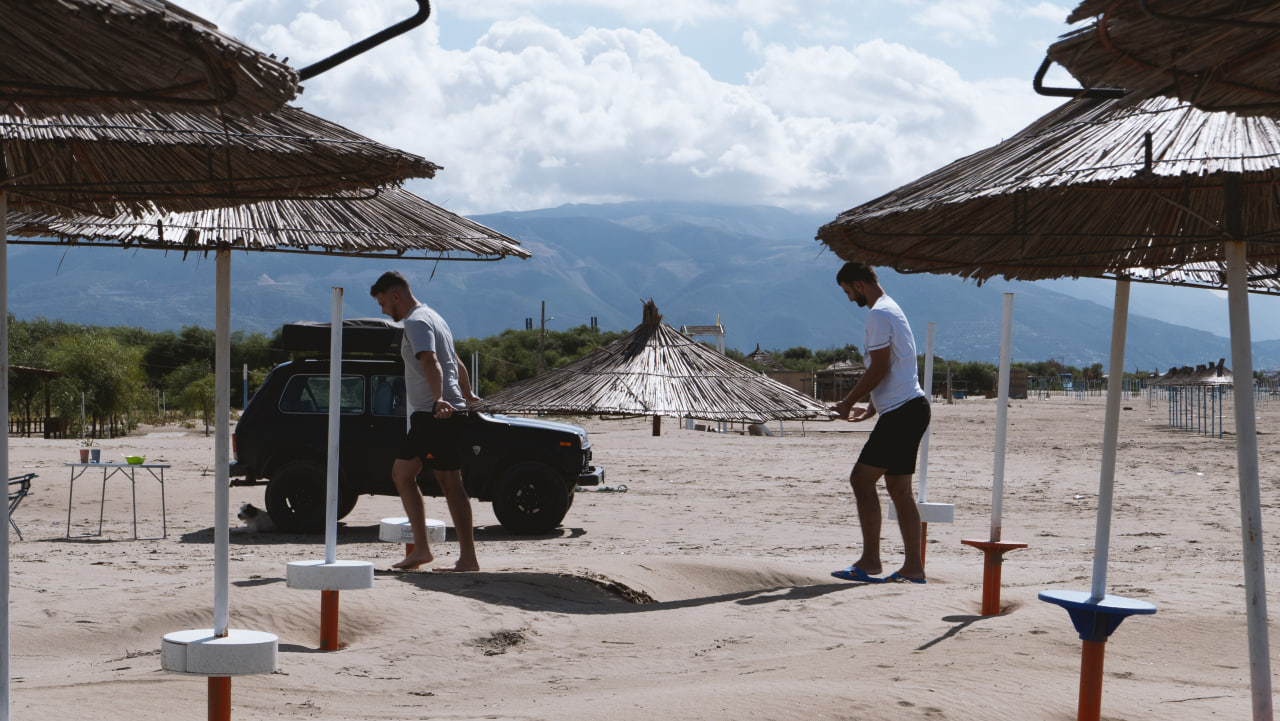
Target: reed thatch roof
[1201, 375]
[656, 371]
[92, 56]
[1216, 54]
[184, 162]
[1073, 195]
[394, 222]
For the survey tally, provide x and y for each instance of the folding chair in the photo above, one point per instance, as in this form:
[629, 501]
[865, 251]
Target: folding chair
[19, 487]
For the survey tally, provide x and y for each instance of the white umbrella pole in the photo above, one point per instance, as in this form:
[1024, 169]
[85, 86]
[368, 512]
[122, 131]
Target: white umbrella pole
[1110, 437]
[222, 446]
[335, 421]
[1255, 586]
[928, 393]
[1002, 416]
[4, 448]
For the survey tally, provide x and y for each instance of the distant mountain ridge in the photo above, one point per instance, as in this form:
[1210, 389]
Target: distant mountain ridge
[757, 269]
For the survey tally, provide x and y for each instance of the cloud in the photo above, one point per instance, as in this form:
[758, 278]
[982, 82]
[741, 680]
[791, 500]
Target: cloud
[532, 116]
[961, 20]
[1049, 11]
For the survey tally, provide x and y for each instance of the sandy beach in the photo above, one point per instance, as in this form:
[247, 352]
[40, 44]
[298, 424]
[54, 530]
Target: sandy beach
[702, 591]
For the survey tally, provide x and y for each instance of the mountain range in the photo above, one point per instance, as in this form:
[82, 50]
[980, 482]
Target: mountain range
[757, 270]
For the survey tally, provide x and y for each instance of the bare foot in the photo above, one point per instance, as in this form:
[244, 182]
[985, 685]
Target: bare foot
[458, 567]
[414, 560]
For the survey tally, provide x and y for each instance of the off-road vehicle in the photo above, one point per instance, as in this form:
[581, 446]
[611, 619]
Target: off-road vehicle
[528, 468]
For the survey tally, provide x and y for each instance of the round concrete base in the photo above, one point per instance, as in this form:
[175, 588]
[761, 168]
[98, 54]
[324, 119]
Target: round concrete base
[336, 576]
[397, 530]
[199, 653]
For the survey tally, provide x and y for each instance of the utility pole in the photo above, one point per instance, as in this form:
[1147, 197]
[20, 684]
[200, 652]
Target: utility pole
[542, 341]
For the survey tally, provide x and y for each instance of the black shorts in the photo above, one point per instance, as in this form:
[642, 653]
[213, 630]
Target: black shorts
[434, 440]
[895, 441]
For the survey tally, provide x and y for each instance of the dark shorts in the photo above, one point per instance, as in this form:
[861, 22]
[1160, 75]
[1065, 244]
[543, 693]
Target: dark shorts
[434, 440]
[895, 441]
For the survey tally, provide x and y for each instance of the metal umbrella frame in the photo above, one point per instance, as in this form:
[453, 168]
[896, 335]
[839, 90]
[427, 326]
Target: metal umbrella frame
[1219, 55]
[130, 56]
[656, 371]
[1096, 188]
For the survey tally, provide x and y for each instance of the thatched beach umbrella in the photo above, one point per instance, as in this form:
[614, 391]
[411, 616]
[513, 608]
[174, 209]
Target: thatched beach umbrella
[656, 371]
[188, 161]
[104, 164]
[1093, 189]
[93, 56]
[1215, 54]
[392, 223]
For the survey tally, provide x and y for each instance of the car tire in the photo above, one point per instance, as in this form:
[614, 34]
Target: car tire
[530, 498]
[295, 497]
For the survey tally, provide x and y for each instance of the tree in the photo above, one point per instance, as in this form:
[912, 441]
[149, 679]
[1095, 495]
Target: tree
[199, 397]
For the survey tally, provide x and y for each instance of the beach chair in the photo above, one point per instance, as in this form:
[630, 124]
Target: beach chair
[19, 487]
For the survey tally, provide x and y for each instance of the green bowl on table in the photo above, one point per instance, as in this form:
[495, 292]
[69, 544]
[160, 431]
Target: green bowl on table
[135, 460]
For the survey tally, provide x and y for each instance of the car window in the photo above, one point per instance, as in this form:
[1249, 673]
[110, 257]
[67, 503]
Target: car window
[310, 394]
[387, 394]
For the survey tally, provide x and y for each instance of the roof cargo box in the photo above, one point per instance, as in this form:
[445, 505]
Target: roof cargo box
[359, 335]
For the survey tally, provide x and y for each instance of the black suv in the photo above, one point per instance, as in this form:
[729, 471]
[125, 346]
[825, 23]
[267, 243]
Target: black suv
[527, 468]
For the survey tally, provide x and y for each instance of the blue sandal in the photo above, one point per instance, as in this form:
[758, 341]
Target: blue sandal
[895, 578]
[853, 573]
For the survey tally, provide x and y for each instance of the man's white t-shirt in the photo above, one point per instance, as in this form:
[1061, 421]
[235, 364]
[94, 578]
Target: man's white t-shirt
[887, 326]
[425, 330]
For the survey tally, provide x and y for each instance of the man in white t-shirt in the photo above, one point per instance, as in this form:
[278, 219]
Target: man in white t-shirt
[437, 390]
[892, 382]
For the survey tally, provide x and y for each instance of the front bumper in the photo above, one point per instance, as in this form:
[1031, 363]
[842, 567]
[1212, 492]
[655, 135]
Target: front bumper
[592, 476]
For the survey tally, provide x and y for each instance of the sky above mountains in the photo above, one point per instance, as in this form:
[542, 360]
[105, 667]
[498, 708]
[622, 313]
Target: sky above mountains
[811, 105]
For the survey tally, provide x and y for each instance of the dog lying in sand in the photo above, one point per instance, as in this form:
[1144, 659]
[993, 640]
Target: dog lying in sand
[255, 519]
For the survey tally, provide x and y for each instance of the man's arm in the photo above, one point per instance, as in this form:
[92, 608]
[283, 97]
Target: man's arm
[435, 378]
[879, 368]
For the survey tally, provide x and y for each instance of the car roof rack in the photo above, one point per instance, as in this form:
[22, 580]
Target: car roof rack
[360, 336]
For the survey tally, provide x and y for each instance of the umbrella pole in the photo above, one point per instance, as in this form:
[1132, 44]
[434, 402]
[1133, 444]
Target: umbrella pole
[929, 512]
[1255, 586]
[331, 575]
[4, 449]
[1097, 615]
[222, 447]
[993, 549]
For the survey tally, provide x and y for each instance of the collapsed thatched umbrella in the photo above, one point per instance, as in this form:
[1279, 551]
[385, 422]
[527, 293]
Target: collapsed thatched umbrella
[1215, 54]
[1093, 189]
[656, 371]
[394, 222]
[93, 56]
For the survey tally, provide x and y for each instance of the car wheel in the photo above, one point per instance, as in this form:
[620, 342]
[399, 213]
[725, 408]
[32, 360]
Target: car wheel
[530, 497]
[295, 497]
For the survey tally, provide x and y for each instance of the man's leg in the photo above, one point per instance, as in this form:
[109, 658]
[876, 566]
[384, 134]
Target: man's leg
[863, 480]
[904, 502]
[460, 510]
[405, 475]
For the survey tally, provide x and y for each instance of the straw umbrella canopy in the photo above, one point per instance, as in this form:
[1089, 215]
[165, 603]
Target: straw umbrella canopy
[392, 223]
[1073, 195]
[1215, 54]
[657, 371]
[188, 161]
[1096, 189]
[93, 56]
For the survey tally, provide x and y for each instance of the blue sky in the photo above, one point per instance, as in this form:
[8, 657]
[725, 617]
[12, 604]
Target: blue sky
[814, 105]
[811, 105]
